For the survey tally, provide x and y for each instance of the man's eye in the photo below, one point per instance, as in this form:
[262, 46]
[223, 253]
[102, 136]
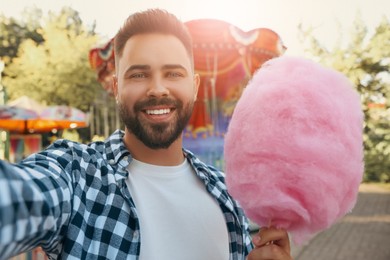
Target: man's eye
[138, 75]
[174, 74]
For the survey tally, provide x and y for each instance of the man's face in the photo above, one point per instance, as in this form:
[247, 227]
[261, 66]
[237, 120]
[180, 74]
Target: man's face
[155, 88]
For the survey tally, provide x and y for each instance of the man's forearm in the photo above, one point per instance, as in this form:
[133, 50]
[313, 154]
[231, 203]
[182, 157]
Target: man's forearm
[33, 206]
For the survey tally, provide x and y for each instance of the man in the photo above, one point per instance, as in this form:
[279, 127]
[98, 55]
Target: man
[139, 194]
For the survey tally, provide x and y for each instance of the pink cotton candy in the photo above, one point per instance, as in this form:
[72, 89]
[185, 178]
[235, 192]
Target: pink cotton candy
[293, 149]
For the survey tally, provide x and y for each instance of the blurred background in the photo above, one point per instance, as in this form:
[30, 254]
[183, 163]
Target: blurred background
[56, 63]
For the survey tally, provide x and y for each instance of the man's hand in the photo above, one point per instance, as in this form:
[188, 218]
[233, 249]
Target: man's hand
[271, 243]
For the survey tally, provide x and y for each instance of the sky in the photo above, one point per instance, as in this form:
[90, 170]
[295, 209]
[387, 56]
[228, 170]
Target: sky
[332, 20]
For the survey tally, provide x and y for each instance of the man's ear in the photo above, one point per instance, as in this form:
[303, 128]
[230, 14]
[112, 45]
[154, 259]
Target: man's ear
[114, 86]
[196, 85]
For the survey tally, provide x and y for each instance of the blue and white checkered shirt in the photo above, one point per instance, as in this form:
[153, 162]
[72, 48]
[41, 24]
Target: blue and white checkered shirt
[72, 200]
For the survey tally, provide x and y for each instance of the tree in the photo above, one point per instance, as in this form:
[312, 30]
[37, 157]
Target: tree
[366, 61]
[14, 32]
[56, 70]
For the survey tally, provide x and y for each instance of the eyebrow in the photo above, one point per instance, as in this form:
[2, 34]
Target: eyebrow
[147, 67]
[137, 67]
[173, 66]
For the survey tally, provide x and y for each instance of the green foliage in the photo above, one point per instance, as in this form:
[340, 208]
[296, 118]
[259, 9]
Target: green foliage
[14, 32]
[55, 70]
[366, 61]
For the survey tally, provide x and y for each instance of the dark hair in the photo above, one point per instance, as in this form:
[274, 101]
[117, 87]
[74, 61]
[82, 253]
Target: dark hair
[152, 21]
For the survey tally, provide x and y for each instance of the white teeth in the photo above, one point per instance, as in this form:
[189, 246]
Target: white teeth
[158, 111]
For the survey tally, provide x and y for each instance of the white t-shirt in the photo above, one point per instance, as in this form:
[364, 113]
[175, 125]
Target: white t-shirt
[178, 218]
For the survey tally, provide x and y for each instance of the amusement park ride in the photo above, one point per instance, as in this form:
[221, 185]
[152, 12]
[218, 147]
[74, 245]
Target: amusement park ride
[225, 58]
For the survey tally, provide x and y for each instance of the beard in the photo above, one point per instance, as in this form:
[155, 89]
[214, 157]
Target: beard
[156, 135]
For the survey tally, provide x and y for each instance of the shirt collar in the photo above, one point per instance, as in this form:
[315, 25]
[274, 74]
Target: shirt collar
[117, 153]
[115, 147]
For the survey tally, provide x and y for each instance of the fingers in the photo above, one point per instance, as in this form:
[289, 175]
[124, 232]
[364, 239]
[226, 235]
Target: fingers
[272, 236]
[271, 243]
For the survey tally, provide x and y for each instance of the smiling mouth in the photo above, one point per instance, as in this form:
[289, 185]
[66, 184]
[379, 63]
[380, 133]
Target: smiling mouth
[164, 111]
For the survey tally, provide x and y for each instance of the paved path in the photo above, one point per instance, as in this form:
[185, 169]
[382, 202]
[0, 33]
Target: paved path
[362, 235]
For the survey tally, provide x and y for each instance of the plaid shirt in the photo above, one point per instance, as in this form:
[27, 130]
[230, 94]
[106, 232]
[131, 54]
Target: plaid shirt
[72, 200]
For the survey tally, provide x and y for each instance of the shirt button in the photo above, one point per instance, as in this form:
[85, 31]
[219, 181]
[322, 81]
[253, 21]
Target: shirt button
[126, 158]
[112, 162]
[136, 234]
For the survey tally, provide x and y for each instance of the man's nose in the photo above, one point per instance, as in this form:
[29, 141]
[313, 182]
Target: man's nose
[157, 88]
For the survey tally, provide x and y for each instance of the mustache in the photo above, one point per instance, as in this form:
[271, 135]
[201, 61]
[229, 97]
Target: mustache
[165, 101]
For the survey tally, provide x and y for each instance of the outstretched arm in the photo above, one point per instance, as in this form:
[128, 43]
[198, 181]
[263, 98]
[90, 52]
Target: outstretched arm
[35, 203]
